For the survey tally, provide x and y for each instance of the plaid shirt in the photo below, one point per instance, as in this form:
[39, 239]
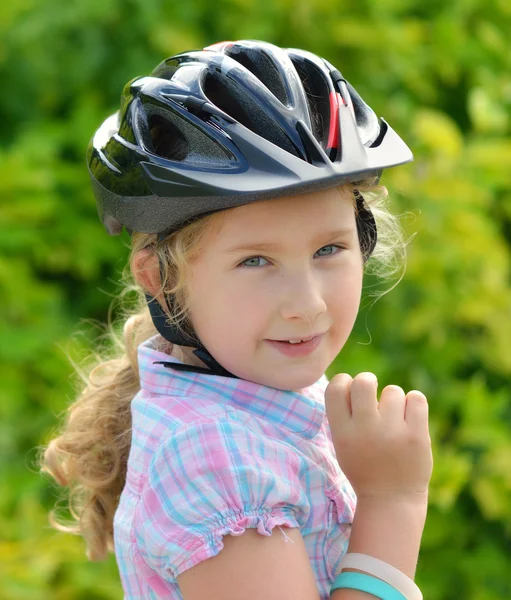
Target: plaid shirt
[212, 456]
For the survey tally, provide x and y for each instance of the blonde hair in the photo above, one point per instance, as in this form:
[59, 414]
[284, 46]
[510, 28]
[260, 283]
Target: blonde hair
[90, 453]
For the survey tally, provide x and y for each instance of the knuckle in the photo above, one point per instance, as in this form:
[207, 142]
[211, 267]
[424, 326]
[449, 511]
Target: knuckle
[417, 396]
[340, 379]
[393, 389]
[338, 384]
[366, 378]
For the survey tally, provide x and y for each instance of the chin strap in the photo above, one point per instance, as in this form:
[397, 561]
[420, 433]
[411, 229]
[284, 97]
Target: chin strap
[366, 227]
[177, 336]
[215, 367]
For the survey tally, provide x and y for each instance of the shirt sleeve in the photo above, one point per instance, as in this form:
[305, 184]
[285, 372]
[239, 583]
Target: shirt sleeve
[209, 480]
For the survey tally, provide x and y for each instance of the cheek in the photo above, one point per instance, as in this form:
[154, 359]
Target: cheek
[345, 293]
[221, 304]
[244, 307]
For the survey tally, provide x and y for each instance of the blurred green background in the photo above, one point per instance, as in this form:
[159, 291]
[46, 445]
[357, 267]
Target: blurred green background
[440, 73]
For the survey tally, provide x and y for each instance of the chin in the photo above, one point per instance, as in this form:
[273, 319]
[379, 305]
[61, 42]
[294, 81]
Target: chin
[279, 375]
[288, 381]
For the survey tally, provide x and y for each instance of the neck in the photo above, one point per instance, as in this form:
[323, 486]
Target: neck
[185, 355]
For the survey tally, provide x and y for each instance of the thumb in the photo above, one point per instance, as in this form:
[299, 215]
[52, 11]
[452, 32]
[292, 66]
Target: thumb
[338, 400]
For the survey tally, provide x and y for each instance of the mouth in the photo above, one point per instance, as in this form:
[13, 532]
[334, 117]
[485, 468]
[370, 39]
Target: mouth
[296, 347]
[298, 340]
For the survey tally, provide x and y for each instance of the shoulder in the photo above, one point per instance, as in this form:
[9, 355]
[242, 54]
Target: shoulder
[218, 448]
[214, 478]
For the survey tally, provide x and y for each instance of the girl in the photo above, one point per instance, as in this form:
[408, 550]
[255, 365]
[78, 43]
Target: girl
[212, 455]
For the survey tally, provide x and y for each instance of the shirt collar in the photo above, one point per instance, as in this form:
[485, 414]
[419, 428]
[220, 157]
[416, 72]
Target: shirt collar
[302, 412]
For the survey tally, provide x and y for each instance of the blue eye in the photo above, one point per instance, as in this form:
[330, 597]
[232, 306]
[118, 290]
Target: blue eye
[254, 261]
[246, 263]
[326, 248]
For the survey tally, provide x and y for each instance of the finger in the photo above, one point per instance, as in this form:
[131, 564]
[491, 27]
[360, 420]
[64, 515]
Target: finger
[364, 400]
[392, 404]
[337, 399]
[417, 411]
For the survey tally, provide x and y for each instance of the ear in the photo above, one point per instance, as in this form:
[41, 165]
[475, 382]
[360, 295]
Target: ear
[146, 271]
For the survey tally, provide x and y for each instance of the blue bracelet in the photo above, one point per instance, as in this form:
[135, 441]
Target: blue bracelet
[367, 583]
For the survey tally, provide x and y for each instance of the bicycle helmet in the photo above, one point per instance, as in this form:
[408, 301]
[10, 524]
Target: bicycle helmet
[228, 125]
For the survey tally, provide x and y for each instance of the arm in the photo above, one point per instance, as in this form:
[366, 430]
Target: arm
[256, 567]
[384, 449]
[390, 531]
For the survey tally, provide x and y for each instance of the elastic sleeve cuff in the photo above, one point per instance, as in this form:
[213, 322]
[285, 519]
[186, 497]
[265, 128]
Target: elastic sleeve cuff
[233, 524]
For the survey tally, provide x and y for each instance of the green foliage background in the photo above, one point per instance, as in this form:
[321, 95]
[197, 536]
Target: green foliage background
[440, 73]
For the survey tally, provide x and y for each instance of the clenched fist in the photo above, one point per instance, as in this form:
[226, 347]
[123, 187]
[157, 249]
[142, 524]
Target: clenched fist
[383, 448]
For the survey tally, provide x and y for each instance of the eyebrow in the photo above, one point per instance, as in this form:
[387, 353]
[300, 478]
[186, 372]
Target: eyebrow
[269, 247]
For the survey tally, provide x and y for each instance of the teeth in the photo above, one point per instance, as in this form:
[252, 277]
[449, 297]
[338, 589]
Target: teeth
[299, 341]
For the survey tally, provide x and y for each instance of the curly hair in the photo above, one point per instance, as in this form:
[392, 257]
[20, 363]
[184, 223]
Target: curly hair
[89, 455]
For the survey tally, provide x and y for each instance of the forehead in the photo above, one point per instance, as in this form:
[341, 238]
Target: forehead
[305, 213]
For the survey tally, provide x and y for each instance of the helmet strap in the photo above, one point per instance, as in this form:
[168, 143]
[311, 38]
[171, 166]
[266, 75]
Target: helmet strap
[176, 335]
[366, 227]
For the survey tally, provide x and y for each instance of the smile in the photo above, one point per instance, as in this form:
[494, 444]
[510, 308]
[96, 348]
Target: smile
[295, 347]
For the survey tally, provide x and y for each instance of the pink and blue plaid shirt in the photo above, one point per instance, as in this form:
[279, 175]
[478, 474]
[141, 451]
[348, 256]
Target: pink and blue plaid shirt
[212, 456]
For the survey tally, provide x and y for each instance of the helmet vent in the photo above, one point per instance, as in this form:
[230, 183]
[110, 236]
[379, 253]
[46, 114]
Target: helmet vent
[318, 101]
[219, 96]
[166, 69]
[263, 67]
[234, 99]
[167, 140]
[367, 121]
[169, 135]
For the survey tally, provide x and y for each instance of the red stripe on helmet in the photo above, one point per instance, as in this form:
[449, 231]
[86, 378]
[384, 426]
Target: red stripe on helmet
[219, 46]
[333, 132]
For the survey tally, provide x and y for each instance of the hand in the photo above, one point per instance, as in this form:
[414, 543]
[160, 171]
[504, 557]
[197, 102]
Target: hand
[383, 448]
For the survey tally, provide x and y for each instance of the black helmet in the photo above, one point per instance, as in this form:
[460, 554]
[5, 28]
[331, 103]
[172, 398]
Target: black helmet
[231, 124]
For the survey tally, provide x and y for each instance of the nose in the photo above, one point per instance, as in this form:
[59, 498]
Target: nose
[302, 297]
